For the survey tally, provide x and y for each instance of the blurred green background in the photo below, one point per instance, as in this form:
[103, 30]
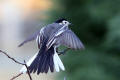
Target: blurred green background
[97, 23]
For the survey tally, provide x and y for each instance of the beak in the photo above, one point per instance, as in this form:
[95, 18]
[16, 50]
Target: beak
[70, 24]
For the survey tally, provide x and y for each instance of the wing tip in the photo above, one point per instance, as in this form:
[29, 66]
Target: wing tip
[20, 45]
[82, 47]
[78, 48]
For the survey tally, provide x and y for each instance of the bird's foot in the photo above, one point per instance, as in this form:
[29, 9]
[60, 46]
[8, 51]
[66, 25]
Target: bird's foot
[62, 52]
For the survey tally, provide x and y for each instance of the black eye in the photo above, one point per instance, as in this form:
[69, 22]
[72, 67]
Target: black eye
[65, 22]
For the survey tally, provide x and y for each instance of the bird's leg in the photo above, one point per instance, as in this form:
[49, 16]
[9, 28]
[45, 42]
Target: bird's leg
[62, 52]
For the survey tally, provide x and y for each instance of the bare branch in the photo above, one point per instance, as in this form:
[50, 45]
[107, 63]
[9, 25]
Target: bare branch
[17, 63]
[14, 77]
[28, 72]
[11, 58]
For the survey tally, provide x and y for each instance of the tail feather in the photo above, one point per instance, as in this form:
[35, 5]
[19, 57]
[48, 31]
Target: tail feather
[47, 66]
[44, 64]
[33, 67]
[51, 64]
[43, 61]
[58, 63]
[23, 69]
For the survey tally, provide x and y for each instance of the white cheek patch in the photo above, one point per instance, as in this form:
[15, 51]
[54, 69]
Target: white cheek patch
[60, 24]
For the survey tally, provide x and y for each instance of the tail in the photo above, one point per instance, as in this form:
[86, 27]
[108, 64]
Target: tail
[43, 61]
[23, 69]
[57, 62]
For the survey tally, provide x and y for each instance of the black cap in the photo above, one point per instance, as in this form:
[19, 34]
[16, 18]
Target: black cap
[60, 20]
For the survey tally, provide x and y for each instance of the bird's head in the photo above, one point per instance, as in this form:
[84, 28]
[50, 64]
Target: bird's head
[62, 22]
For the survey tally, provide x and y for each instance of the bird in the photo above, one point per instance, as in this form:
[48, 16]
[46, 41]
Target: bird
[49, 38]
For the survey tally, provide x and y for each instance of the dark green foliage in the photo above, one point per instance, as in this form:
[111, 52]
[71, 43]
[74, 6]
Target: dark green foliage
[97, 23]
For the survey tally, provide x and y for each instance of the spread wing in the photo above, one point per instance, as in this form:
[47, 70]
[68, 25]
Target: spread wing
[46, 31]
[68, 39]
[37, 35]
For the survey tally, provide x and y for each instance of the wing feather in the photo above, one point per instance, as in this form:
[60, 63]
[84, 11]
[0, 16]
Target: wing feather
[38, 35]
[31, 38]
[69, 39]
[66, 38]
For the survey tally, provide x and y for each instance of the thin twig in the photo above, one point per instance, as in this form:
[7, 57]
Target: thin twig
[14, 77]
[28, 72]
[17, 63]
[11, 58]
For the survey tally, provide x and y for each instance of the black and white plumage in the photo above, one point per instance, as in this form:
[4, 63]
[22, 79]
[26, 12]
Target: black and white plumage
[49, 38]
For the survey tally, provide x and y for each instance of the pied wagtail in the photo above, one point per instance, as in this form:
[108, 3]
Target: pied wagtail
[49, 38]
